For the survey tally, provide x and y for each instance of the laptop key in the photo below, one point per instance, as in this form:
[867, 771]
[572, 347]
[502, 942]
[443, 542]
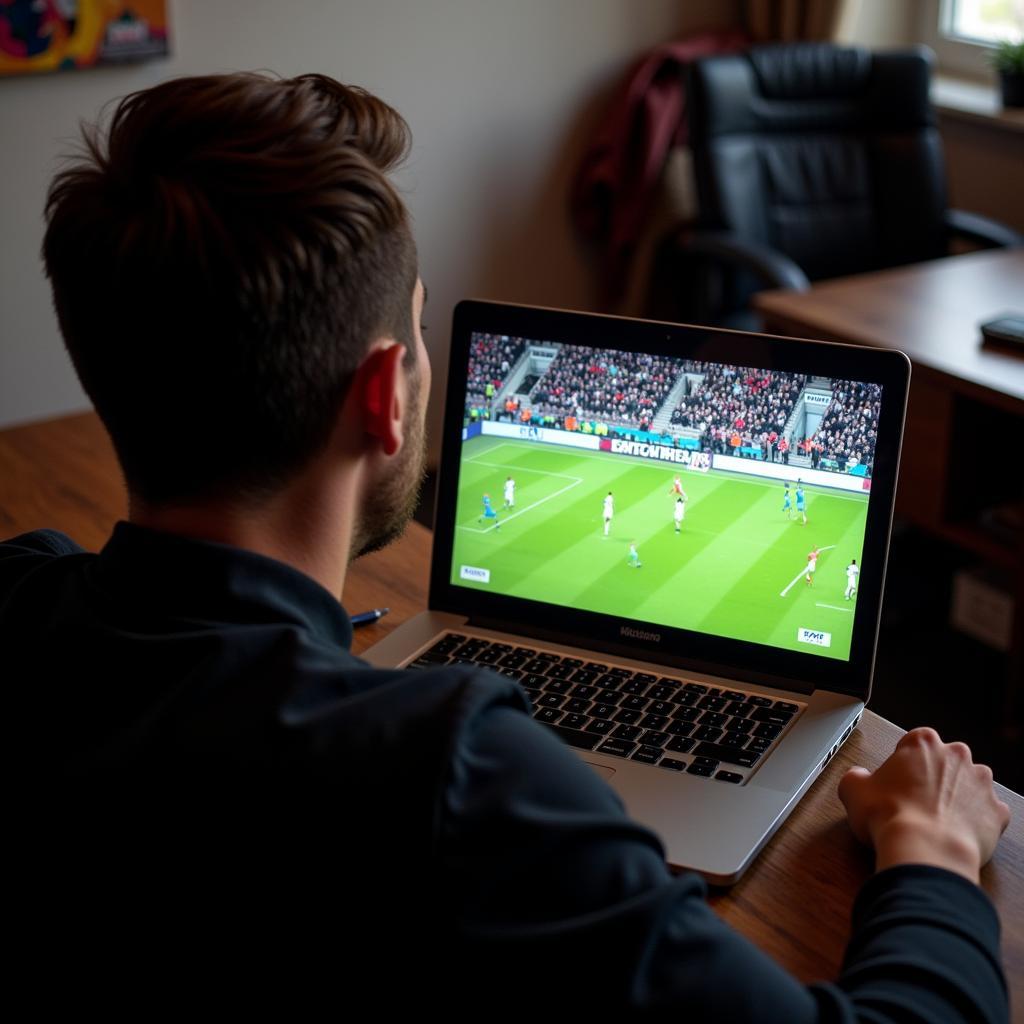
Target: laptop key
[622, 673]
[681, 745]
[739, 708]
[444, 646]
[575, 721]
[602, 711]
[700, 769]
[547, 715]
[585, 692]
[647, 755]
[509, 673]
[760, 702]
[551, 700]
[536, 665]
[654, 738]
[620, 748]
[577, 706]
[601, 726]
[686, 714]
[655, 722]
[672, 764]
[660, 707]
[744, 758]
[633, 686]
[758, 744]
[513, 661]
[534, 680]
[608, 697]
[583, 675]
[575, 738]
[557, 685]
[713, 718]
[645, 677]
[707, 732]
[627, 732]
[696, 688]
[768, 731]
[712, 703]
[733, 695]
[781, 705]
[559, 670]
[547, 656]
[734, 739]
[594, 666]
[772, 715]
[687, 697]
[725, 776]
[488, 657]
[635, 703]
[628, 717]
[743, 725]
[679, 728]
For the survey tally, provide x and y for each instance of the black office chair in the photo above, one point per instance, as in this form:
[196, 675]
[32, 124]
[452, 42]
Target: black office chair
[811, 161]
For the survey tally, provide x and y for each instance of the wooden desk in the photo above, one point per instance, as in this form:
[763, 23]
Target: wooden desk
[794, 902]
[965, 418]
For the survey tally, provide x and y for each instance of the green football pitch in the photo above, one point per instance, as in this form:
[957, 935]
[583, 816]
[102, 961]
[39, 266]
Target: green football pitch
[735, 569]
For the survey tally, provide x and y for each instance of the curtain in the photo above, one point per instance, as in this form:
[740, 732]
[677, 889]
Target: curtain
[789, 21]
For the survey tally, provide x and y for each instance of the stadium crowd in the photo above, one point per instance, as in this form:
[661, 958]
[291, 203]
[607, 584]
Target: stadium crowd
[616, 387]
[848, 431]
[735, 407]
[491, 356]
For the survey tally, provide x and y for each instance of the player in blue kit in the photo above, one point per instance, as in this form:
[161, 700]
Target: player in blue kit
[801, 503]
[489, 512]
[787, 503]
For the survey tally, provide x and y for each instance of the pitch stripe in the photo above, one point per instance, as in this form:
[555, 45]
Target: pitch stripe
[803, 572]
[522, 469]
[508, 519]
[834, 607]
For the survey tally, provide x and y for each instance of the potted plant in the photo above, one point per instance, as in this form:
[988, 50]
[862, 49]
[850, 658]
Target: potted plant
[1008, 60]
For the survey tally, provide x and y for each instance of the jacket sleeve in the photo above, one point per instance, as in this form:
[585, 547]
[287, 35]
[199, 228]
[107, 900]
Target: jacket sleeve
[549, 879]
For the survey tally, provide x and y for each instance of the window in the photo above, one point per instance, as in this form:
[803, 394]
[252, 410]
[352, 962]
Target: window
[963, 32]
[982, 22]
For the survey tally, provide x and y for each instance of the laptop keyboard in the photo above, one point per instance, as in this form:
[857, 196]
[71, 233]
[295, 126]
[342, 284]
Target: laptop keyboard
[675, 724]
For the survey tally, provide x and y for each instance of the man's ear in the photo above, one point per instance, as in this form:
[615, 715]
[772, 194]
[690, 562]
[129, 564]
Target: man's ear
[379, 393]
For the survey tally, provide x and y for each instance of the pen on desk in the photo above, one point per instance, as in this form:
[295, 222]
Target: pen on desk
[365, 618]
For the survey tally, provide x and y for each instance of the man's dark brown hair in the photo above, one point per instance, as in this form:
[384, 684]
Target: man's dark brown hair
[221, 257]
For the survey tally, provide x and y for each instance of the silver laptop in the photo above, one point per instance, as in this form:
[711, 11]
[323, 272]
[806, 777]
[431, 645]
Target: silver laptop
[674, 538]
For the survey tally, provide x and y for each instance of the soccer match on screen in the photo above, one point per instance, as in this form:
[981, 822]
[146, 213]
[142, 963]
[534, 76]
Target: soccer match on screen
[724, 499]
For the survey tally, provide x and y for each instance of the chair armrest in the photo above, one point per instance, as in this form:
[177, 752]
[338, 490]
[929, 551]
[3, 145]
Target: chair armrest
[982, 229]
[773, 268]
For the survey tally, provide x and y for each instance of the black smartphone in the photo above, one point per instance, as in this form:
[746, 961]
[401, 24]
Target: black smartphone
[1005, 333]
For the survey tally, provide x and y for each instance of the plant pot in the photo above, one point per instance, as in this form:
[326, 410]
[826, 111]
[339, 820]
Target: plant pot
[1012, 85]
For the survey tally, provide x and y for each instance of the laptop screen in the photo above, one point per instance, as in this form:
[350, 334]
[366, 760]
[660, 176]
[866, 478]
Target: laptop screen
[723, 499]
[711, 500]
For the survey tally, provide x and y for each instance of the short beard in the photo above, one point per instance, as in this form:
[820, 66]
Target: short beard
[392, 502]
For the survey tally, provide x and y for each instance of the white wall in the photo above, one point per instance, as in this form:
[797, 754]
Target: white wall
[501, 96]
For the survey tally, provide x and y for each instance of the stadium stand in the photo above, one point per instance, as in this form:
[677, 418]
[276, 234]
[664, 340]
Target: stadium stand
[616, 387]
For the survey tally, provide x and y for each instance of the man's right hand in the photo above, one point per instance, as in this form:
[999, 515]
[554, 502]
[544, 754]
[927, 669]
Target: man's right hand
[929, 803]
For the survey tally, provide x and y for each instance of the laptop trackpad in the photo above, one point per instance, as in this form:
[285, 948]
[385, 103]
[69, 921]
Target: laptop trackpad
[602, 769]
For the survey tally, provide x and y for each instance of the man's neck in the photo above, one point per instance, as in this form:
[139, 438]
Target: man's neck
[307, 526]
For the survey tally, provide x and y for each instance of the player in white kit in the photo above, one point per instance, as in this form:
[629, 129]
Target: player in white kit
[510, 492]
[678, 512]
[852, 572]
[609, 511]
